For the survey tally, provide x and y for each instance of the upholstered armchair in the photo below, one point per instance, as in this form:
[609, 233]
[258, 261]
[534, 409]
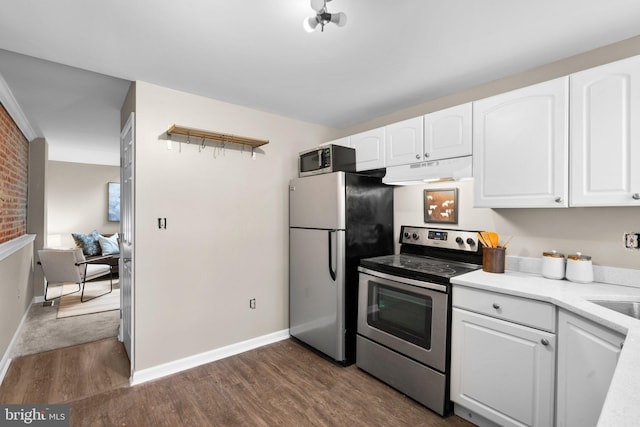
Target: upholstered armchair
[70, 266]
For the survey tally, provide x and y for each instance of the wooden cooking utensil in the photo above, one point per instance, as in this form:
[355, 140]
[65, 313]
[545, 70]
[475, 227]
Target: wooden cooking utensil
[485, 238]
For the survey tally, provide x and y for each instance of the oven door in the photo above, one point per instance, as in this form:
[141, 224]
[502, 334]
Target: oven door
[404, 315]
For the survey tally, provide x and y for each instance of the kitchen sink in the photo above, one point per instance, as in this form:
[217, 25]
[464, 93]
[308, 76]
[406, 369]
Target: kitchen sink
[628, 308]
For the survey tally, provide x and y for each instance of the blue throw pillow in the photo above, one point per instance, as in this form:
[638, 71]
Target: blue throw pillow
[88, 243]
[109, 245]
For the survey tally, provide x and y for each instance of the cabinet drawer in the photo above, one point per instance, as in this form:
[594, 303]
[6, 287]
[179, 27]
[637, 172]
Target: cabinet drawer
[536, 314]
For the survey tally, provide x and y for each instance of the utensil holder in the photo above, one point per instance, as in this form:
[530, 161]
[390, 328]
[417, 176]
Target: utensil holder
[493, 260]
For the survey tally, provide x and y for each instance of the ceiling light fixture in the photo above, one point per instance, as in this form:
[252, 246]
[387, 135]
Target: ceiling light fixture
[323, 17]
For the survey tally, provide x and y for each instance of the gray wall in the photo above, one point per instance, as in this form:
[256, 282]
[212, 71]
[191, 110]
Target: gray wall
[16, 293]
[227, 235]
[77, 201]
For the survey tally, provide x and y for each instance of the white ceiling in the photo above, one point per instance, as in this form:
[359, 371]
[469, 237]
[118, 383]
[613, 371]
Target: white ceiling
[390, 55]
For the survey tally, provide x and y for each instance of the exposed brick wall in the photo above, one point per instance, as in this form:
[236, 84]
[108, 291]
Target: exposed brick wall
[14, 158]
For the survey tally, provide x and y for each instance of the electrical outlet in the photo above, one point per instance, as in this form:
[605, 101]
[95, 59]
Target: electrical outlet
[632, 240]
[252, 303]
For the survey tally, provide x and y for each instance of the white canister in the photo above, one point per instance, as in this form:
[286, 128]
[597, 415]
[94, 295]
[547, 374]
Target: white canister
[553, 265]
[579, 268]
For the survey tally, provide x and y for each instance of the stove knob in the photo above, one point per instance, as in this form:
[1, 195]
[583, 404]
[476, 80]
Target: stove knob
[459, 240]
[415, 236]
[406, 235]
[471, 242]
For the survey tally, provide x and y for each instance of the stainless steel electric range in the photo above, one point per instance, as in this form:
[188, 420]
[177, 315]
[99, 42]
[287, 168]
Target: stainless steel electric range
[404, 311]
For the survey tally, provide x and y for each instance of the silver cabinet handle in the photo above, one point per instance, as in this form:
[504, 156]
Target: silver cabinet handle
[496, 306]
[544, 341]
[426, 155]
[636, 196]
[125, 260]
[622, 344]
[558, 200]
[418, 156]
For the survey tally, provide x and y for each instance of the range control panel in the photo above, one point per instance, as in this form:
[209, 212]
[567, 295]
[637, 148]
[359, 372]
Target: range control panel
[442, 238]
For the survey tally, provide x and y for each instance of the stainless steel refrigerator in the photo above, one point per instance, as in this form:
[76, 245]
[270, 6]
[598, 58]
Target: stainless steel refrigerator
[335, 220]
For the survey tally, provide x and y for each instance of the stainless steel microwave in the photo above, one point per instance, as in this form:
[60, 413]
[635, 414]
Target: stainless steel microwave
[326, 159]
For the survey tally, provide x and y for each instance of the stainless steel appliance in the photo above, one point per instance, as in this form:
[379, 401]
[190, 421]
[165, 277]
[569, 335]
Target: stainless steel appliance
[404, 311]
[327, 159]
[335, 220]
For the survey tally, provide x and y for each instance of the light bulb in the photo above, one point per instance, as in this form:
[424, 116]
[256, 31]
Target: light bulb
[310, 24]
[340, 19]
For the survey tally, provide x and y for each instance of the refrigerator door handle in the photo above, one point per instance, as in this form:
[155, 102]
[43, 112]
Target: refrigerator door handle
[332, 272]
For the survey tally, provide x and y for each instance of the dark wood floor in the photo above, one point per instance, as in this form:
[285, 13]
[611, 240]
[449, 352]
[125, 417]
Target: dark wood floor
[282, 384]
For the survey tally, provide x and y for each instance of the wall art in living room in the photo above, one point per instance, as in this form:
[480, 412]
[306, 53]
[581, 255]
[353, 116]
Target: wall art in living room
[113, 212]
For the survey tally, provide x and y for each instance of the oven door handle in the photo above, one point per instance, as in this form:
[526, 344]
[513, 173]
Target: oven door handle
[332, 272]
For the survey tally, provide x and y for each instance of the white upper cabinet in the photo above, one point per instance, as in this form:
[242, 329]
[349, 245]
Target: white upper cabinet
[520, 147]
[370, 149]
[404, 142]
[605, 135]
[447, 133]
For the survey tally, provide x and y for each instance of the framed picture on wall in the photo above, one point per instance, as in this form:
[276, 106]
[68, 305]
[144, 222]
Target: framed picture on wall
[441, 206]
[113, 210]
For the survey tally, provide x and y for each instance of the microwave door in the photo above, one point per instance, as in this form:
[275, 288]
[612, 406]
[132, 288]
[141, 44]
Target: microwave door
[311, 161]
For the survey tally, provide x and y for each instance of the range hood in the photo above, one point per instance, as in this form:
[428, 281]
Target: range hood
[437, 170]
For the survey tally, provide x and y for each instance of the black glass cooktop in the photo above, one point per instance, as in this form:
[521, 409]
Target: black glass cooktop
[418, 267]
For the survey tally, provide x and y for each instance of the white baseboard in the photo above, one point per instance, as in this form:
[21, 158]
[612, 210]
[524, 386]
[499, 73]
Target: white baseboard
[169, 368]
[6, 358]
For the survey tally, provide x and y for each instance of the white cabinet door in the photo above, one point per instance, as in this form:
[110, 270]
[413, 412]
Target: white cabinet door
[501, 370]
[370, 149]
[404, 142]
[447, 133]
[520, 147]
[605, 135]
[587, 357]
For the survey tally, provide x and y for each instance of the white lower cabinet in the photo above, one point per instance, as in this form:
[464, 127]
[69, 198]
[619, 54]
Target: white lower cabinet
[587, 357]
[501, 370]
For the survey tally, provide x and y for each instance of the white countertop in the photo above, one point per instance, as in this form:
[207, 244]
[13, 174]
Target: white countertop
[622, 405]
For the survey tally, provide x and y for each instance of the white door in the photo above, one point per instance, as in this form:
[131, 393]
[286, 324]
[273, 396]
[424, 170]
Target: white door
[447, 133]
[404, 142]
[520, 147]
[127, 154]
[605, 135]
[502, 371]
[369, 147]
[587, 357]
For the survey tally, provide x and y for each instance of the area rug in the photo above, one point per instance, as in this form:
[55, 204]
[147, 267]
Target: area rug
[41, 330]
[70, 305]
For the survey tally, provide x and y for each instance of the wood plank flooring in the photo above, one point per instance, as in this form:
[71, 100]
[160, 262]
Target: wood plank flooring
[282, 384]
[66, 374]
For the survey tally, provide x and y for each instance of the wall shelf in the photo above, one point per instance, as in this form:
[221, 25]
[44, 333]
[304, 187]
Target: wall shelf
[215, 136]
